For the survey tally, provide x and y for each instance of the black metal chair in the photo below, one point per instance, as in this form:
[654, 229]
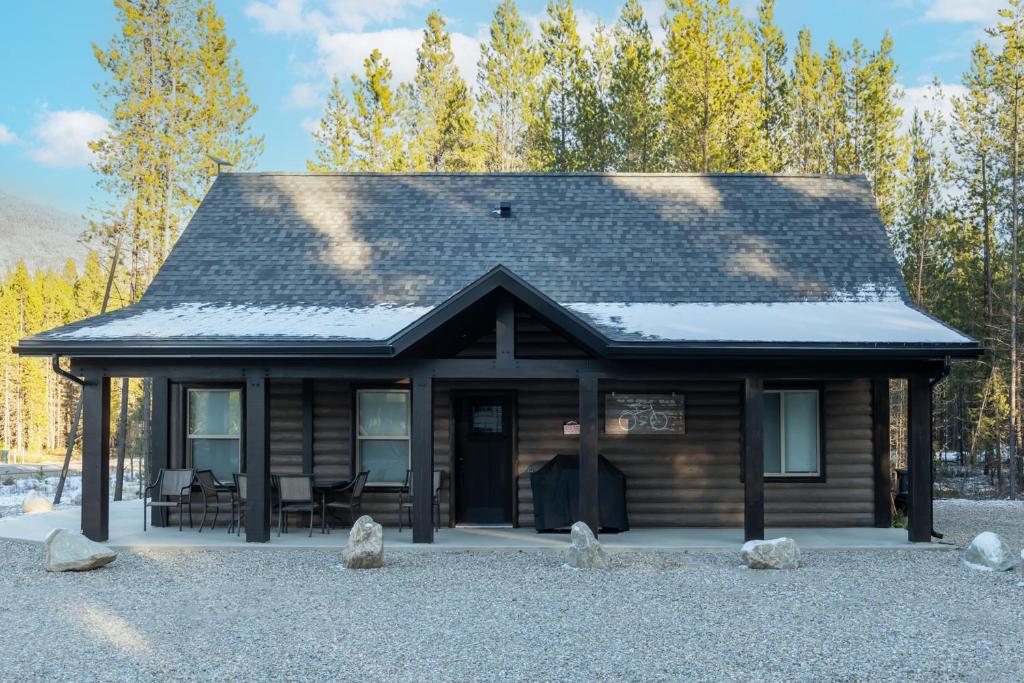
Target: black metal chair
[294, 494]
[176, 484]
[238, 501]
[210, 491]
[348, 498]
[405, 498]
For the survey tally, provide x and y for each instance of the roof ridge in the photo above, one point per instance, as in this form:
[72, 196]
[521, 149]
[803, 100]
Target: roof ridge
[538, 174]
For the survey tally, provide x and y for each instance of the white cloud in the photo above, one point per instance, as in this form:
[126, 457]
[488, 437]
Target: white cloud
[303, 96]
[63, 137]
[342, 53]
[303, 16]
[924, 98]
[964, 11]
[310, 124]
[7, 136]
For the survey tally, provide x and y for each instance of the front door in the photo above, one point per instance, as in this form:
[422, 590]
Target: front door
[483, 452]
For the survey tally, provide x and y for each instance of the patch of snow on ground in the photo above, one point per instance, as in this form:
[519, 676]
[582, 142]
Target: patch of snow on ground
[13, 494]
[816, 322]
[229, 320]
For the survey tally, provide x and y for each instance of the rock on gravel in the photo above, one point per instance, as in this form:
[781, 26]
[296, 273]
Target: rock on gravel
[69, 551]
[777, 553]
[585, 552]
[34, 502]
[989, 552]
[365, 547]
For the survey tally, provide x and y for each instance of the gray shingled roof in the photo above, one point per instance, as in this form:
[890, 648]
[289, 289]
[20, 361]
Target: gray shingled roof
[400, 244]
[363, 239]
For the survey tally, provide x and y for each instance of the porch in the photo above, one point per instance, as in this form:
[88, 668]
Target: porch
[126, 532]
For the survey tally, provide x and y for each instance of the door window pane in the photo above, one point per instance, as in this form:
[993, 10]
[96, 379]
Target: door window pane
[772, 433]
[487, 420]
[386, 460]
[383, 413]
[801, 432]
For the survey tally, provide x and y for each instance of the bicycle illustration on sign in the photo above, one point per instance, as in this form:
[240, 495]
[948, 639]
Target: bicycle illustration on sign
[643, 415]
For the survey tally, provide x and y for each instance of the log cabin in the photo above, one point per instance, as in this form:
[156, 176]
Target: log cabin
[726, 341]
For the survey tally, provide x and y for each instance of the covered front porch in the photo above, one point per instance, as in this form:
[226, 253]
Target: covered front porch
[125, 531]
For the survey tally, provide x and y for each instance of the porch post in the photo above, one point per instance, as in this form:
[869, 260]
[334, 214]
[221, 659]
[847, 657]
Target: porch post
[753, 459]
[257, 457]
[422, 433]
[880, 441]
[590, 510]
[160, 433]
[307, 426]
[919, 460]
[96, 456]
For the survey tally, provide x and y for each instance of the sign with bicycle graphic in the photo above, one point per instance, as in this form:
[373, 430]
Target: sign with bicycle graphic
[644, 414]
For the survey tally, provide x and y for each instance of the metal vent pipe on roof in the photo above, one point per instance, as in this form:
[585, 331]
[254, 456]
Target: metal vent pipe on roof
[504, 210]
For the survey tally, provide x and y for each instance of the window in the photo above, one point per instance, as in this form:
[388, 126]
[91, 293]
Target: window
[214, 430]
[791, 434]
[382, 435]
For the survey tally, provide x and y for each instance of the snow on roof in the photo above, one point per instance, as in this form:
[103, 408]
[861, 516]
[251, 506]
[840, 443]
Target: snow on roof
[801, 322]
[231, 320]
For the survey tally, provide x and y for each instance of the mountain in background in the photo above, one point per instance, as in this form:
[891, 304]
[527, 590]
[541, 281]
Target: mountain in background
[41, 235]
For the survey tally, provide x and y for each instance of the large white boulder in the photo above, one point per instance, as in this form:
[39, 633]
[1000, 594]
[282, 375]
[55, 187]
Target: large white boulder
[988, 552]
[34, 502]
[776, 553]
[70, 551]
[585, 552]
[365, 547]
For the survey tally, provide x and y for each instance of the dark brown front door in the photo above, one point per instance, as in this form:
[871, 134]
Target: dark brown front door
[483, 452]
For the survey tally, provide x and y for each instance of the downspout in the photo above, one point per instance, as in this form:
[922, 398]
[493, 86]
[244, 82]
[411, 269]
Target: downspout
[931, 386]
[64, 373]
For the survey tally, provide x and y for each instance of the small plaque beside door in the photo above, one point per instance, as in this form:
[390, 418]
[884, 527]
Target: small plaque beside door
[570, 428]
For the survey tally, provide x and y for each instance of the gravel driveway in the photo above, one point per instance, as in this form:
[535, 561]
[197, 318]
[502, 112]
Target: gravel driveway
[296, 615]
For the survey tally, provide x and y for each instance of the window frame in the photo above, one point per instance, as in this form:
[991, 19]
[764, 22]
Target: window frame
[358, 439]
[187, 438]
[807, 477]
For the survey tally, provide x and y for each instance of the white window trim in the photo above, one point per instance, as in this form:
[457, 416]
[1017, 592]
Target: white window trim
[782, 434]
[407, 437]
[189, 437]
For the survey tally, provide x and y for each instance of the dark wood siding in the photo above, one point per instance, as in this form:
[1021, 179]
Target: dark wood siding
[534, 339]
[685, 480]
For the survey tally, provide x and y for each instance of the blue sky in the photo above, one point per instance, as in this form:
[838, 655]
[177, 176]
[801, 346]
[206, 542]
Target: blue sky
[290, 48]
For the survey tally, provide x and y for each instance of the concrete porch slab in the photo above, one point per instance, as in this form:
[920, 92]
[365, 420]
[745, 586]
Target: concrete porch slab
[126, 532]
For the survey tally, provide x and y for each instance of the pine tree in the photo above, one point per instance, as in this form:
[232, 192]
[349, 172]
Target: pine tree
[711, 105]
[806, 108]
[772, 86]
[634, 105]
[378, 116]
[507, 82]
[594, 126]
[173, 95]
[835, 113]
[334, 137]
[444, 129]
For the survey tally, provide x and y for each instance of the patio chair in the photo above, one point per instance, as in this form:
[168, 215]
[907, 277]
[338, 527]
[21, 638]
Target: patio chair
[210, 492]
[294, 494]
[405, 499]
[348, 498]
[176, 484]
[238, 499]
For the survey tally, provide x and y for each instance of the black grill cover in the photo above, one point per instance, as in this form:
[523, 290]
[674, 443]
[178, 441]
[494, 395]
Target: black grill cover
[556, 486]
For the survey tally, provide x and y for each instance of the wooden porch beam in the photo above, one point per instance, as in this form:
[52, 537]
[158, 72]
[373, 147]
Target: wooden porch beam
[590, 510]
[753, 459]
[919, 460]
[505, 332]
[96, 457]
[880, 446]
[257, 458]
[160, 433]
[422, 446]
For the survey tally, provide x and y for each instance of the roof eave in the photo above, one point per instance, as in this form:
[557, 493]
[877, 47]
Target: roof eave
[677, 349]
